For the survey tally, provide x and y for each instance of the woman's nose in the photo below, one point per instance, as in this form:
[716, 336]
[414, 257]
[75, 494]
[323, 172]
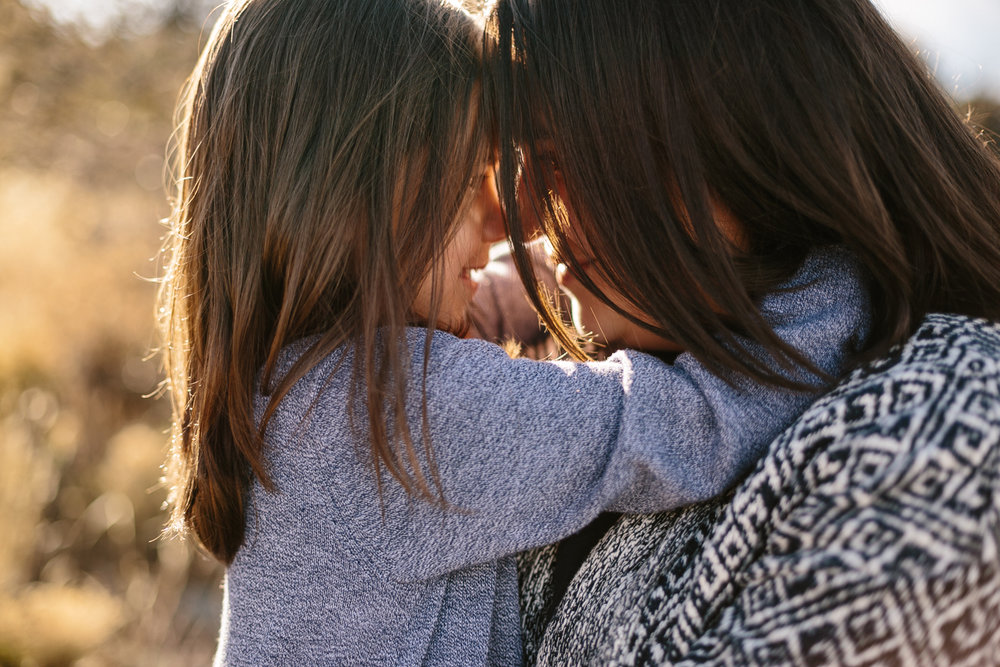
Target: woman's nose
[493, 225]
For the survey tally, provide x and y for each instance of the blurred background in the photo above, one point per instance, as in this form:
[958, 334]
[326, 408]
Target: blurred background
[87, 93]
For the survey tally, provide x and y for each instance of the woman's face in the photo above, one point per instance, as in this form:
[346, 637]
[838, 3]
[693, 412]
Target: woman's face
[591, 317]
[480, 225]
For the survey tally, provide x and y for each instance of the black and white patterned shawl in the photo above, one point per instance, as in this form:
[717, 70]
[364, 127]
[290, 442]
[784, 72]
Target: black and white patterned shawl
[868, 535]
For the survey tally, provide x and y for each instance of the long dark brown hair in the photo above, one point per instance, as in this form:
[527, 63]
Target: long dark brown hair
[325, 150]
[809, 120]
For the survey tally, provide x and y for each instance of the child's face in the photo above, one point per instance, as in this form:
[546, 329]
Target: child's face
[480, 226]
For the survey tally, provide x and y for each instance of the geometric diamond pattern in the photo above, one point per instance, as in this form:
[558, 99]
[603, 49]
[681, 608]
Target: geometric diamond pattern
[869, 534]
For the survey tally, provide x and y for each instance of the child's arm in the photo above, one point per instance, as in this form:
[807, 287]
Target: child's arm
[530, 452]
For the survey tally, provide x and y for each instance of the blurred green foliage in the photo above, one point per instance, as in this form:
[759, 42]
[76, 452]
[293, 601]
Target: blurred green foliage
[84, 124]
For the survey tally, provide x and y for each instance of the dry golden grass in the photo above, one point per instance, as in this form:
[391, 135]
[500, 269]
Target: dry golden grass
[84, 575]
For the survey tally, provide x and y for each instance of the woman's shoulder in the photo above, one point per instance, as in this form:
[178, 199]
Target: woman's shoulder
[942, 355]
[830, 283]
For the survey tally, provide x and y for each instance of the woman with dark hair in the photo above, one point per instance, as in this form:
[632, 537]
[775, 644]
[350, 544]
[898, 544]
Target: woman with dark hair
[686, 161]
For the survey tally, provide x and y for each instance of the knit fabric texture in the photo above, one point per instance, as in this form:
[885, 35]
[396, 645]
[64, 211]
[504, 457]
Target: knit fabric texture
[528, 453]
[869, 534]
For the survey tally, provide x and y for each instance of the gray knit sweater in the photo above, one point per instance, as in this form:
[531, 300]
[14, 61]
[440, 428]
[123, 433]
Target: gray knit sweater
[530, 451]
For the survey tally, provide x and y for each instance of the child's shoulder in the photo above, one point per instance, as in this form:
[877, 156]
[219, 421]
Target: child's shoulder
[439, 348]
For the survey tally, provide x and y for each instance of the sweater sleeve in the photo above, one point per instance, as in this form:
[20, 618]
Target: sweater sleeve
[530, 452]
